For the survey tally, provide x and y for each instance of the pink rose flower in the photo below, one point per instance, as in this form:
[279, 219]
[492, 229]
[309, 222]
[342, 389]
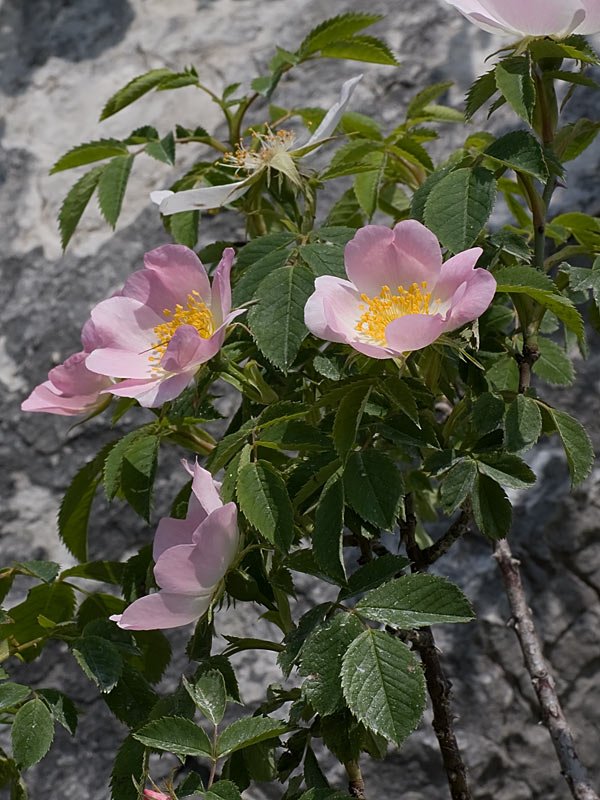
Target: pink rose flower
[163, 325]
[71, 389]
[192, 556]
[151, 795]
[399, 296]
[520, 18]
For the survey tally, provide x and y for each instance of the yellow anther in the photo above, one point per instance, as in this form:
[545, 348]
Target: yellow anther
[387, 307]
[195, 314]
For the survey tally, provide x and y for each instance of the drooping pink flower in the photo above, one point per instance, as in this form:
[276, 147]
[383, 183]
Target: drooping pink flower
[163, 325]
[71, 389]
[520, 18]
[149, 794]
[399, 296]
[191, 558]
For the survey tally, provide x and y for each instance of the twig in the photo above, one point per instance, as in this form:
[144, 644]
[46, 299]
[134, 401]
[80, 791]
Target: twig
[438, 684]
[458, 529]
[552, 715]
[356, 785]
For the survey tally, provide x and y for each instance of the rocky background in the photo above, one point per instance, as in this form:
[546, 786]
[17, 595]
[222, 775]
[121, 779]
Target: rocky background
[59, 61]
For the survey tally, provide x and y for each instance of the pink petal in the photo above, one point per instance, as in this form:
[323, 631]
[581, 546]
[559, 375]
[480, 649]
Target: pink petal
[188, 349]
[90, 338]
[591, 23]
[45, 398]
[221, 287]
[73, 378]
[196, 568]
[332, 312]
[173, 532]
[205, 489]
[162, 610]
[378, 256]
[471, 299]
[413, 332]
[180, 272]
[153, 392]
[150, 795]
[535, 17]
[457, 269]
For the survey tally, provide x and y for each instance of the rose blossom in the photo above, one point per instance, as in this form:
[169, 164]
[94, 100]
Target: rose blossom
[163, 325]
[192, 556]
[149, 794]
[399, 296]
[71, 388]
[520, 18]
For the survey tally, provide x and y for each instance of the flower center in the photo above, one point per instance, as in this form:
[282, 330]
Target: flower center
[379, 311]
[270, 145]
[195, 314]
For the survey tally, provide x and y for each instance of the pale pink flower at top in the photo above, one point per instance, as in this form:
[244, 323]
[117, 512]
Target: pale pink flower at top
[399, 296]
[191, 558]
[521, 18]
[163, 325]
[71, 389]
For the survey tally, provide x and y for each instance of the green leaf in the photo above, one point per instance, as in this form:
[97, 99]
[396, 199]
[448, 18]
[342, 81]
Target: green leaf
[177, 81]
[366, 185]
[131, 698]
[89, 152]
[75, 203]
[325, 259]
[111, 471]
[457, 484]
[400, 394]
[176, 735]
[522, 424]
[100, 660]
[31, 733]
[553, 365]
[321, 660]
[348, 418]
[459, 205]
[480, 92]
[184, 227]
[105, 571]
[129, 764]
[264, 500]
[383, 685]
[229, 446]
[44, 570]
[488, 411]
[61, 707]
[223, 790]
[491, 507]
[574, 138]
[374, 573]
[361, 48]
[415, 601]
[112, 185]
[520, 151]
[138, 472]
[577, 444]
[54, 601]
[250, 730]
[164, 150]
[12, 694]
[133, 90]
[373, 487]
[346, 212]
[425, 97]
[208, 693]
[337, 234]
[293, 434]
[352, 157]
[277, 321]
[421, 195]
[513, 79]
[327, 533]
[335, 28]
[508, 469]
[246, 288]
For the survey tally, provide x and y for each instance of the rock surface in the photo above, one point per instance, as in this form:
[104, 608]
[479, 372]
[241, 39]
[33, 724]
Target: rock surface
[59, 61]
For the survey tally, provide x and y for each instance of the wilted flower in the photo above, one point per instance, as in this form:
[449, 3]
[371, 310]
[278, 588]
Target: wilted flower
[163, 325]
[277, 151]
[191, 558]
[520, 18]
[149, 794]
[400, 297]
[71, 389]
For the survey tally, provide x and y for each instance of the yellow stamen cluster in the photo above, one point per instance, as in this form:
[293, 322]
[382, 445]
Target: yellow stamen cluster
[387, 307]
[195, 314]
[270, 144]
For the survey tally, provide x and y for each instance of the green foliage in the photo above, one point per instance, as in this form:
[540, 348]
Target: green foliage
[348, 418]
[520, 151]
[522, 424]
[100, 660]
[32, 733]
[208, 693]
[112, 185]
[264, 500]
[88, 153]
[373, 487]
[327, 533]
[491, 507]
[248, 731]
[75, 203]
[138, 470]
[134, 90]
[515, 82]
[383, 685]
[577, 444]
[12, 694]
[334, 29]
[176, 735]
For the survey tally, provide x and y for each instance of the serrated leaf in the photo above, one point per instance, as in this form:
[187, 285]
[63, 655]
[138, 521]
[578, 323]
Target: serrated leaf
[339, 234]
[480, 92]
[328, 529]
[520, 151]
[457, 484]
[415, 601]
[61, 707]
[100, 660]
[491, 507]
[522, 424]
[348, 418]
[177, 81]
[346, 212]
[513, 79]
[335, 28]
[577, 444]
[44, 570]
[264, 501]
[553, 365]
[75, 203]
[459, 205]
[383, 685]
[111, 471]
[373, 487]
[89, 152]
[184, 227]
[208, 693]
[163, 150]
[321, 661]
[12, 694]
[112, 185]
[246, 288]
[507, 469]
[324, 259]
[32, 733]
[55, 602]
[488, 411]
[176, 735]
[573, 139]
[222, 790]
[131, 698]
[361, 48]
[229, 445]
[138, 472]
[374, 573]
[250, 730]
[421, 195]
[425, 97]
[277, 321]
[366, 185]
[133, 90]
[105, 571]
